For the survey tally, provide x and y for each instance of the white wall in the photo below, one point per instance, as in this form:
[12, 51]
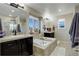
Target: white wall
[77, 8]
[63, 34]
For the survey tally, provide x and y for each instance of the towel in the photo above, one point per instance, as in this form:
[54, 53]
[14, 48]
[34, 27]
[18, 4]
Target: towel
[74, 30]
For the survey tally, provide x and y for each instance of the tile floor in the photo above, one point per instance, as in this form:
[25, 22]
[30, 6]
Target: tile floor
[59, 51]
[64, 49]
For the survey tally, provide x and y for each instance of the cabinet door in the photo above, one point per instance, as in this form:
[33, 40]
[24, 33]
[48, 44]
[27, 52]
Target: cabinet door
[19, 47]
[9, 48]
[24, 51]
[49, 35]
[27, 46]
[0, 49]
[30, 45]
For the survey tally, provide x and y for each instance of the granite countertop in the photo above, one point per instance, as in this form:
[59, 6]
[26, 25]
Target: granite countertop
[14, 37]
[48, 31]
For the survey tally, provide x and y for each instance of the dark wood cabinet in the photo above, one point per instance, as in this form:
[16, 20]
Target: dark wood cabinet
[0, 49]
[24, 47]
[21, 47]
[9, 48]
[50, 34]
[27, 46]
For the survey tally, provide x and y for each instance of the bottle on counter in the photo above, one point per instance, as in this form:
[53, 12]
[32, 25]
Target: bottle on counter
[2, 34]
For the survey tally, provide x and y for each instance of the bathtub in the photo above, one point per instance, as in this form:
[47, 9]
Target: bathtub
[44, 47]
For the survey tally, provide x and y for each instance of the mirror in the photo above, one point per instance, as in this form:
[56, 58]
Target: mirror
[13, 19]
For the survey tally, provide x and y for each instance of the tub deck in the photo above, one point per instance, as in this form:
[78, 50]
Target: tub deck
[44, 47]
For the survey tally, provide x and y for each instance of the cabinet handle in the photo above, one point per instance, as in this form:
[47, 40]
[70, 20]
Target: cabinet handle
[9, 44]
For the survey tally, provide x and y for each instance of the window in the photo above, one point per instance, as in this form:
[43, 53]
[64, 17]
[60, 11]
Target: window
[33, 24]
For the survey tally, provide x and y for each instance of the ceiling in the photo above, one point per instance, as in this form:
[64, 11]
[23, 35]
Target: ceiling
[46, 9]
[52, 8]
[6, 10]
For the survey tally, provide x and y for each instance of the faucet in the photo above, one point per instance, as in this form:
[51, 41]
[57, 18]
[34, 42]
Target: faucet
[14, 31]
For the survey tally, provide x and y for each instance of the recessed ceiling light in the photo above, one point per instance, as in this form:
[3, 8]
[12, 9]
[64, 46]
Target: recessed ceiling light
[13, 10]
[10, 15]
[59, 10]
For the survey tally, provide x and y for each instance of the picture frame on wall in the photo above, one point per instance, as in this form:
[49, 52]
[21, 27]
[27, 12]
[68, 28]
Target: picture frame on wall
[61, 23]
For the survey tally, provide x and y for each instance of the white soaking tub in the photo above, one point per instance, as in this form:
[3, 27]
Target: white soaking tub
[44, 47]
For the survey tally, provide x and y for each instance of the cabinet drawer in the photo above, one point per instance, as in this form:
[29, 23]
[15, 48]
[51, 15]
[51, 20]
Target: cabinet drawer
[9, 44]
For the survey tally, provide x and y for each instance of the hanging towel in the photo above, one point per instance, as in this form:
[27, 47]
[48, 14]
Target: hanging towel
[74, 30]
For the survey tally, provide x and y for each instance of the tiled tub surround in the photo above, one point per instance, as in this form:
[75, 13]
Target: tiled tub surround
[44, 47]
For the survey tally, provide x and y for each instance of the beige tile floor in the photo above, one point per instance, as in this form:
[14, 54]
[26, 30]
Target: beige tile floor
[64, 49]
[59, 51]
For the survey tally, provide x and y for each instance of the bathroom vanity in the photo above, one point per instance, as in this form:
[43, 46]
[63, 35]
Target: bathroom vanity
[19, 45]
[49, 34]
